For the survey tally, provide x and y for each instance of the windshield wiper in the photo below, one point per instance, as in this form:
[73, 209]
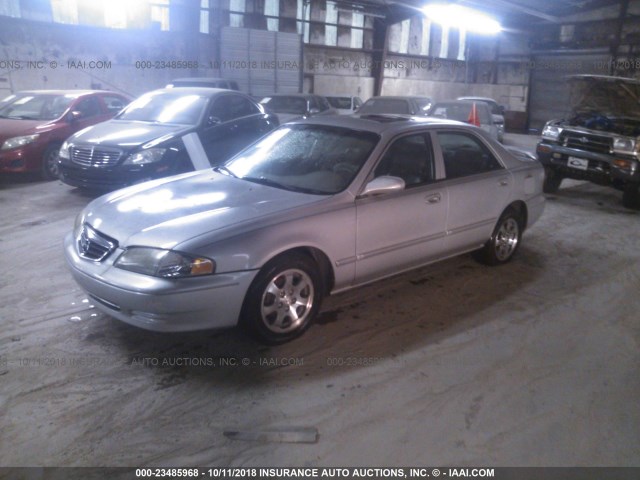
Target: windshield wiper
[224, 170]
[291, 188]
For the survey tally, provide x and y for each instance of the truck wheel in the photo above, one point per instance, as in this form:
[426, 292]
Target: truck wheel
[552, 181]
[631, 196]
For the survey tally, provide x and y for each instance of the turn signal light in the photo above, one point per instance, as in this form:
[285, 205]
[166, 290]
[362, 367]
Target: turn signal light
[623, 164]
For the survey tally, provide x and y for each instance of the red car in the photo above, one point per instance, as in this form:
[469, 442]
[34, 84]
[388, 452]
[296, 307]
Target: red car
[34, 124]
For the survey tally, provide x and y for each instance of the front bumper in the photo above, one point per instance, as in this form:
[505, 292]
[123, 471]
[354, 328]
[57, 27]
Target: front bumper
[600, 169]
[20, 160]
[112, 178]
[158, 304]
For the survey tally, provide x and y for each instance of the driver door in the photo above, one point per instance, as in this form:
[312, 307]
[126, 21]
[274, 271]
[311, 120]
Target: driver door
[402, 230]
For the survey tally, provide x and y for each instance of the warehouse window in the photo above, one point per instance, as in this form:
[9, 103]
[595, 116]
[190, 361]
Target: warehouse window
[204, 16]
[272, 9]
[65, 11]
[160, 13]
[10, 8]
[331, 30]
[237, 19]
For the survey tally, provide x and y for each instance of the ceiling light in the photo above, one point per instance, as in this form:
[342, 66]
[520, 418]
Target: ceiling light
[456, 16]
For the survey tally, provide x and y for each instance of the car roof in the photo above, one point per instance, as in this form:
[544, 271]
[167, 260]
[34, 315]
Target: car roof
[203, 91]
[300, 95]
[378, 123]
[481, 99]
[63, 92]
[400, 97]
[462, 102]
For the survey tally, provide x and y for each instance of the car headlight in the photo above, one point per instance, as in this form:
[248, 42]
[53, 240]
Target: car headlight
[64, 150]
[163, 263]
[551, 132]
[16, 142]
[143, 157]
[624, 145]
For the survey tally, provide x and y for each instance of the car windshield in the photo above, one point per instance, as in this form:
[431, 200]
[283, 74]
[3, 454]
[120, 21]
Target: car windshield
[35, 106]
[305, 158]
[284, 104]
[340, 102]
[385, 105]
[166, 107]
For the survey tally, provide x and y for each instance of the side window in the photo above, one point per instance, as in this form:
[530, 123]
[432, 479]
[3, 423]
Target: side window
[464, 155]
[88, 107]
[357, 103]
[313, 103]
[410, 158]
[323, 104]
[230, 107]
[113, 104]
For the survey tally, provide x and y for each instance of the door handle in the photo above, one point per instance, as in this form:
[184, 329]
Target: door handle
[433, 199]
[504, 183]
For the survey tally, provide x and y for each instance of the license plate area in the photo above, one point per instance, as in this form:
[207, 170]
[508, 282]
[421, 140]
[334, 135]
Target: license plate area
[577, 163]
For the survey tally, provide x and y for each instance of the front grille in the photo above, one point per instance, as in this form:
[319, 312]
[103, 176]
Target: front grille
[587, 142]
[95, 156]
[93, 245]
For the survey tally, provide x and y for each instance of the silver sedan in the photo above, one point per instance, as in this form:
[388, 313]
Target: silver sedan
[316, 207]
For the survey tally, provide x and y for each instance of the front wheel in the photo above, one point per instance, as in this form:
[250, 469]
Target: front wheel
[552, 181]
[283, 299]
[50, 169]
[504, 241]
[631, 196]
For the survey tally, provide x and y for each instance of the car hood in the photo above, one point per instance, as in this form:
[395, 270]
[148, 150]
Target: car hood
[167, 212]
[123, 133]
[608, 96]
[14, 127]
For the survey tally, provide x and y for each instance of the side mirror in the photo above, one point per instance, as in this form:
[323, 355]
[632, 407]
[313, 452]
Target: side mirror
[383, 185]
[502, 109]
[74, 116]
[211, 121]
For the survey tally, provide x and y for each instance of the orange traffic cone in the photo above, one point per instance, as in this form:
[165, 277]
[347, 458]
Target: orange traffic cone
[473, 116]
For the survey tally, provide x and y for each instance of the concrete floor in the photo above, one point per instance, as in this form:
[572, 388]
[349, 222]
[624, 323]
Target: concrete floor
[533, 363]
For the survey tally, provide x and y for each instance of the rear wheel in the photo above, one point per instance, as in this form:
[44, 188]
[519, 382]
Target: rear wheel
[283, 299]
[504, 241]
[552, 181]
[50, 169]
[631, 196]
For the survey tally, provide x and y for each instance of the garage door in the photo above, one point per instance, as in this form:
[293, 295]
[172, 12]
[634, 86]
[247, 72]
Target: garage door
[262, 62]
[549, 97]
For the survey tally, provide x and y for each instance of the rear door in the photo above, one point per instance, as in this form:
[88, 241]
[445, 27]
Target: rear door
[479, 188]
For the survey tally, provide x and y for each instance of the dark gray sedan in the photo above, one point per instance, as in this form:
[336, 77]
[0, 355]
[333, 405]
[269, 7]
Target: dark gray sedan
[316, 207]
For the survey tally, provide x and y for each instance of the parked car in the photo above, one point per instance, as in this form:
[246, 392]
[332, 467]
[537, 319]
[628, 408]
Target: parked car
[163, 133]
[497, 112]
[475, 113]
[316, 207]
[295, 106]
[33, 125]
[599, 140]
[411, 105]
[345, 105]
[204, 82]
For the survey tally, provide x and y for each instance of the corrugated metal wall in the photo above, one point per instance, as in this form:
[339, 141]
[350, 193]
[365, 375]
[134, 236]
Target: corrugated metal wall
[549, 91]
[262, 62]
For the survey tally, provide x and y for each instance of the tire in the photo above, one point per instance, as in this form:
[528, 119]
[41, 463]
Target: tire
[552, 181]
[283, 299]
[504, 241]
[631, 196]
[50, 170]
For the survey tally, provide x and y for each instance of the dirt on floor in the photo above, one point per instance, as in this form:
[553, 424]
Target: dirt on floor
[532, 363]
